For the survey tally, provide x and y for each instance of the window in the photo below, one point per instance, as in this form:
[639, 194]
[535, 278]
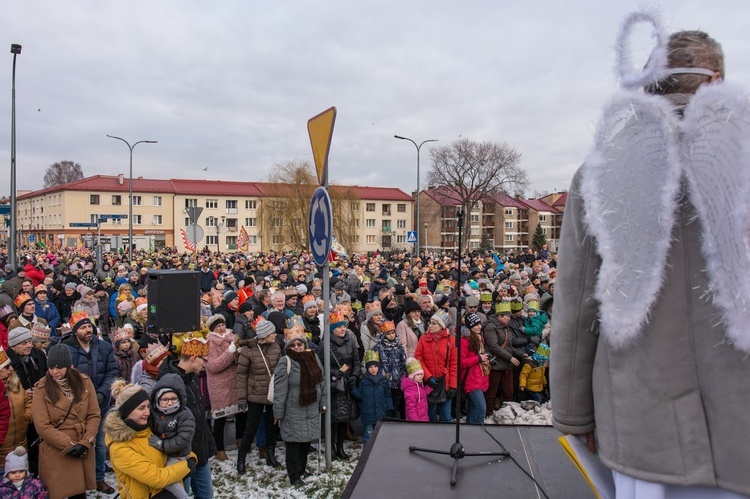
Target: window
[473, 245]
[509, 237]
[94, 219]
[212, 204]
[116, 199]
[542, 218]
[187, 222]
[370, 207]
[252, 240]
[475, 207]
[401, 207]
[401, 224]
[475, 231]
[508, 211]
[212, 221]
[386, 210]
[400, 239]
[137, 219]
[158, 201]
[232, 241]
[251, 205]
[449, 223]
[370, 222]
[275, 239]
[370, 239]
[544, 231]
[508, 225]
[386, 225]
[94, 199]
[356, 239]
[356, 222]
[137, 201]
[354, 206]
[276, 222]
[157, 219]
[279, 205]
[191, 202]
[212, 240]
[475, 219]
[251, 222]
[232, 224]
[231, 206]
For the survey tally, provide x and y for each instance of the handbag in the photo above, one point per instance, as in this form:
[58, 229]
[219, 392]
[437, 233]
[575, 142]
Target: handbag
[439, 393]
[339, 385]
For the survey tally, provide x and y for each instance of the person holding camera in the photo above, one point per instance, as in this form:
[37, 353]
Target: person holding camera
[66, 415]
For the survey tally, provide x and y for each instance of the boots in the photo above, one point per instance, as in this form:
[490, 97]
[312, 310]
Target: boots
[271, 457]
[261, 452]
[340, 454]
[241, 455]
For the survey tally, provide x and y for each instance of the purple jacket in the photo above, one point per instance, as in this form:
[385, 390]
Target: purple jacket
[32, 488]
[415, 399]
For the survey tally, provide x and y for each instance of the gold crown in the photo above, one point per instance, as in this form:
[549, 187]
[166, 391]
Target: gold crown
[307, 298]
[372, 356]
[503, 307]
[21, 300]
[533, 305]
[77, 316]
[336, 317]
[4, 360]
[387, 326]
[412, 366]
[516, 305]
[485, 296]
[195, 347]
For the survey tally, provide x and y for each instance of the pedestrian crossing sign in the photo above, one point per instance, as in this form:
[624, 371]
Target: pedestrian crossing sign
[411, 237]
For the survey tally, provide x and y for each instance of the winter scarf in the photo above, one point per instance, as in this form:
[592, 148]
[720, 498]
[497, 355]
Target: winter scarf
[309, 377]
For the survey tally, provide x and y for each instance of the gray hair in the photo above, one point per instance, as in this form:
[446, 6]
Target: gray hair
[689, 49]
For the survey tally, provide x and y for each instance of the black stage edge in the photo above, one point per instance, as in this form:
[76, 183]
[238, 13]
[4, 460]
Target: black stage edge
[387, 468]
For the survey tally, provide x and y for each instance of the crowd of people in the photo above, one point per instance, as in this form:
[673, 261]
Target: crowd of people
[89, 385]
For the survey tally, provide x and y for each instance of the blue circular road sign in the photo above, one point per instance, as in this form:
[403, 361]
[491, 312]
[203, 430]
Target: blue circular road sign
[320, 223]
[32, 238]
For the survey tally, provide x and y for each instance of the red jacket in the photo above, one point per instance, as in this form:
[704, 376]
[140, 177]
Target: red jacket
[34, 273]
[4, 412]
[472, 376]
[431, 352]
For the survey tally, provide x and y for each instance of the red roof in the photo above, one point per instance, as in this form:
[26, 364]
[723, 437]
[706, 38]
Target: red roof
[216, 188]
[381, 193]
[445, 196]
[107, 183]
[539, 205]
[508, 201]
[561, 200]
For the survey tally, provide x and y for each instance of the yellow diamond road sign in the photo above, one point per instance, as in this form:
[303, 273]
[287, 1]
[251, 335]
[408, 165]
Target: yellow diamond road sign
[320, 129]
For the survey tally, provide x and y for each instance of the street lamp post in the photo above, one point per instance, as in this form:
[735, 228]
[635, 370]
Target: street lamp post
[130, 190]
[15, 49]
[218, 234]
[418, 148]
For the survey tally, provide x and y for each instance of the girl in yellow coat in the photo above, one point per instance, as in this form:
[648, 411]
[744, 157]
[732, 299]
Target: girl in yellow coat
[139, 468]
[533, 376]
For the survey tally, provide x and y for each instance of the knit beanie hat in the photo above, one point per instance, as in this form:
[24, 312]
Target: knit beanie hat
[245, 307]
[411, 306]
[472, 320]
[440, 299]
[214, 321]
[229, 296]
[442, 318]
[264, 328]
[309, 302]
[17, 460]
[125, 306]
[373, 309]
[59, 356]
[18, 335]
[70, 285]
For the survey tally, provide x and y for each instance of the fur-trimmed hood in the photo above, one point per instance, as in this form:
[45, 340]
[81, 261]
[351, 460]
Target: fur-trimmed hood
[116, 430]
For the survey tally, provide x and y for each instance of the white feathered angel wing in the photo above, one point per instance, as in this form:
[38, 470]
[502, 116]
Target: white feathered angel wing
[717, 165]
[629, 184]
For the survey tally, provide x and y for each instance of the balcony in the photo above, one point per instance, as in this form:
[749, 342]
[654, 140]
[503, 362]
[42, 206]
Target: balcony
[231, 210]
[386, 229]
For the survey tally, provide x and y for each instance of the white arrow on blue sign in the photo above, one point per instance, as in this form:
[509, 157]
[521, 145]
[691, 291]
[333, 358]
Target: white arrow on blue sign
[32, 238]
[320, 222]
[411, 237]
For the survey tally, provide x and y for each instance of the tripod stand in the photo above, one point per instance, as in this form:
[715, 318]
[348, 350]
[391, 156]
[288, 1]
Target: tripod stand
[457, 451]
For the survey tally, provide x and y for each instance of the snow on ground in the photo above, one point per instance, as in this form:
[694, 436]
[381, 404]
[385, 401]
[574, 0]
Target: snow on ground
[264, 482]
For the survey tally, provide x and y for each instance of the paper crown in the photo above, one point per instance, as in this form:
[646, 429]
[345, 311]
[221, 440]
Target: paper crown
[297, 332]
[529, 289]
[516, 305]
[375, 305]
[122, 334]
[195, 347]
[295, 320]
[39, 288]
[290, 292]
[503, 307]
[413, 366]
[4, 360]
[445, 317]
[40, 332]
[337, 319]
[256, 321]
[155, 352]
[485, 296]
[541, 355]
[77, 316]
[372, 356]
[6, 311]
[141, 300]
[307, 298]
[21, 301]
[387, 326]
[533, 305]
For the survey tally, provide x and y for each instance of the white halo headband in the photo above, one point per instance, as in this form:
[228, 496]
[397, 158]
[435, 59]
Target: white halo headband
[656, 68]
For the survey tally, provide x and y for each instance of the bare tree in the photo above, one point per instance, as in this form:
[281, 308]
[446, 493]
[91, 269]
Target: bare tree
[468, 171]
[284, 215]
[62, 172]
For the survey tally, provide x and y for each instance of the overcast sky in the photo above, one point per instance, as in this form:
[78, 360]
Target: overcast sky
[229, 85]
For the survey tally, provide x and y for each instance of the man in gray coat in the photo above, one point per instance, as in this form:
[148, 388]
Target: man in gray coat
[648, 348]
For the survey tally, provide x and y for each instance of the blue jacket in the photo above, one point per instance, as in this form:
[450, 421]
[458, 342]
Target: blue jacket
[48, 312]
[113, 303]
[375, 396]
[99, 364]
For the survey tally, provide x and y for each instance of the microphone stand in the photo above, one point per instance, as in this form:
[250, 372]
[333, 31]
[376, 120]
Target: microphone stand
[457, 451]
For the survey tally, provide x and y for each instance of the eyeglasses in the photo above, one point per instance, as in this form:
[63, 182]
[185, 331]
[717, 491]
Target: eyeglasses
[203, 359]
[472, 306]
[169, 400]
[297, 344]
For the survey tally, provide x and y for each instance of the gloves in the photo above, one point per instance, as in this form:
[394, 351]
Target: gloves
[156, 442]
[100, 397]
[232, 347]
[432, 382]
[242, 405]
[78, 450]
[451, 392]
[523, 329]
[352, 382]
[192, 463]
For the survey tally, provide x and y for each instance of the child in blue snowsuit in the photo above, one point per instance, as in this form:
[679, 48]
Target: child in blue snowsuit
[534, 325]
[374, 394]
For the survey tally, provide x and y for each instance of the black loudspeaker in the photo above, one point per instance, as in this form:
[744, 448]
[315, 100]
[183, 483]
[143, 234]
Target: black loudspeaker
[174, 301]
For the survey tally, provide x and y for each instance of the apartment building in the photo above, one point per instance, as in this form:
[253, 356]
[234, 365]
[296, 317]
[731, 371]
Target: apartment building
[230, 214]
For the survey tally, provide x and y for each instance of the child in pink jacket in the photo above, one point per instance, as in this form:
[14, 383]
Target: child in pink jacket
[415, 391]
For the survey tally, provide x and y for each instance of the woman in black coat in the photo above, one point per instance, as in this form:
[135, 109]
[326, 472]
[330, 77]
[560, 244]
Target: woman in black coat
[346, 366]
